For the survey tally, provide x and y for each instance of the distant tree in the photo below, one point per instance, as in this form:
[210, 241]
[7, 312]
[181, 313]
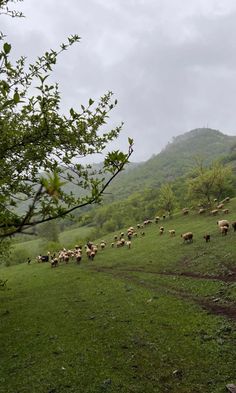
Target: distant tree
[167, 200]
[209, 182]
[41, 148]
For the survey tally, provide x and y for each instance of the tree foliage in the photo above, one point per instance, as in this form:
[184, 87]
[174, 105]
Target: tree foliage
[209, 182]
[167, 199]
[41, 148]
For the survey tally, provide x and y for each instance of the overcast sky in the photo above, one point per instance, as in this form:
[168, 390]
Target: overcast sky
[171, 64]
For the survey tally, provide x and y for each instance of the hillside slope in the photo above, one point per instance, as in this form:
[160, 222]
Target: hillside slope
[174, 161]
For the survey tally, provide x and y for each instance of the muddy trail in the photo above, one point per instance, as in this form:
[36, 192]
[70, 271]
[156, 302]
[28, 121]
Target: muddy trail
[226, 309]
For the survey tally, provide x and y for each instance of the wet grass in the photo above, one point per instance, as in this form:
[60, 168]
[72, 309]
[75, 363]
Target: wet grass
[152, 318]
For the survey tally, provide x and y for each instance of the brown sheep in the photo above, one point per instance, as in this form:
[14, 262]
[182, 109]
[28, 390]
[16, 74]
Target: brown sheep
[224, 230]
[172, 232]
[225, 211]
[188, 237]
[207, 237]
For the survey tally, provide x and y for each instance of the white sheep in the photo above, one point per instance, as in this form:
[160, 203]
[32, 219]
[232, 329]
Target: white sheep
[223, 223]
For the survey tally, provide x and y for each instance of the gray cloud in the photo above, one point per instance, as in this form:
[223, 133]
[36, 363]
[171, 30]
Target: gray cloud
[172, 67]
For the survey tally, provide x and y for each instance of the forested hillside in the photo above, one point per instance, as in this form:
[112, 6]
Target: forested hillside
[174, 161]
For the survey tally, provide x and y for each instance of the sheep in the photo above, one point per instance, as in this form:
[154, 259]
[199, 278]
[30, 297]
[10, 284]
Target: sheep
[157, 218]
[225, 211]
[234, 225]
[223, 223]
[78, 257]
[185, 211]
[43, 258]
[220, 206]
[119, 243]
[128, 243]
[88, 252]
[103, 245]
[92, 255]
[227, 199]
[207, 237]
[201, 210]
[214, 212]
[129, 235]
[224, 230]
[54, 262]
[188, 237]
[161, 230]
[172, 232]
[142, 233]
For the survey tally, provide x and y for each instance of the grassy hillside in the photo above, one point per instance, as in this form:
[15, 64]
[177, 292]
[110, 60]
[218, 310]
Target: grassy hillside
[159, 317]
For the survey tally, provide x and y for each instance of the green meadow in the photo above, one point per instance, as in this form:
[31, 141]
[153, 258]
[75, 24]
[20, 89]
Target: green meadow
[159, 317]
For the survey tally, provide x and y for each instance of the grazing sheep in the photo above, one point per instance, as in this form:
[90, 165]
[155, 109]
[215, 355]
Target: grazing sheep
[207, 237]
[161, 230]
[112, 245]
[103, 245]
[128, 243]
[185, 211]
[142, 233]
[43, 258]
[225, 211]
[214, 212]
[88, 252]
[188, 237]
[129, 235]
[234, 225]
[78, 257]
[223, 223]
[122, 240]
[54, 262]
[201, 210]
[119, 243]
[220, 206]
[92, 255]
[224, 230]
[172, 232]
[157, 218]
[227, 199]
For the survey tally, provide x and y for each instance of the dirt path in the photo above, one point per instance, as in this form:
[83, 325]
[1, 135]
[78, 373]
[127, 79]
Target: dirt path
[226, 310]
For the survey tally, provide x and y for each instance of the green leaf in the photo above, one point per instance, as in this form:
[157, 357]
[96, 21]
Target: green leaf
[91, 101]
[16, 97]
[7, 48]
[131, 141]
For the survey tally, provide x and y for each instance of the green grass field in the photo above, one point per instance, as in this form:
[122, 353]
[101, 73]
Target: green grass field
[159, 317]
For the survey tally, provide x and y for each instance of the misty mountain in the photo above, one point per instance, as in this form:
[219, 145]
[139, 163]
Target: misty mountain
[175, 160]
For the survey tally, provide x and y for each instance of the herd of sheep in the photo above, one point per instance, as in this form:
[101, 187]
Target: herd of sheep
[124, 239]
